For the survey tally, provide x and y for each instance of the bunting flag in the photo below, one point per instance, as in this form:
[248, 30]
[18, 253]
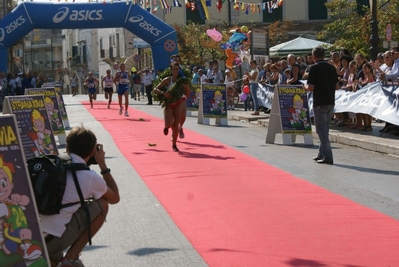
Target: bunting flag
[164, 4]
[155, 9]
[219, 5]
[253, 8]
[176, 3]
[204, 7]
[208, 3]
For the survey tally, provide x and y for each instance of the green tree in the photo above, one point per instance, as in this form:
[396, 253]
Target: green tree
[351, 28]
[195, 46]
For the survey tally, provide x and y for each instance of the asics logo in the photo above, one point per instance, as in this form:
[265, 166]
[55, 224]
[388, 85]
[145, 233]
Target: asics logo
[136, 19]
[77, 15]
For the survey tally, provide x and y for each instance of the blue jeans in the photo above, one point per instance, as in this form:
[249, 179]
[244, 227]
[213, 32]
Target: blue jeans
[322, 118]
[254, 95]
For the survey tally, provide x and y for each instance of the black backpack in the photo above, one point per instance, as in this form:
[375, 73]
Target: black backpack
[48, 178]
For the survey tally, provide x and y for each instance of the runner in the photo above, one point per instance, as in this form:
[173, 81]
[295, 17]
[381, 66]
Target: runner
[122, 81]
[174, 101]
[108, 89]
[92, 84]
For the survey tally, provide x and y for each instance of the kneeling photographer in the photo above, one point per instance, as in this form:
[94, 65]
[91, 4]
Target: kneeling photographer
[74, 226]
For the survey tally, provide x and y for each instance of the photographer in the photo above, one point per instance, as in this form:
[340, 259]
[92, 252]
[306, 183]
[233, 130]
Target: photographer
[70, 228]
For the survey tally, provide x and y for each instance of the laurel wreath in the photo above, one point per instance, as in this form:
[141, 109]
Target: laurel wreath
[175, 91]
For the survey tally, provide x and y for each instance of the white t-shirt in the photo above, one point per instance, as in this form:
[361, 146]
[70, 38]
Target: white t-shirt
[147, 79]
[256, 76]
[91, 184]
[229, 81]
[203, 78]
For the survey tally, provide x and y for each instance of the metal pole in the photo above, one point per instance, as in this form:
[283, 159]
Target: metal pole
[374, 39]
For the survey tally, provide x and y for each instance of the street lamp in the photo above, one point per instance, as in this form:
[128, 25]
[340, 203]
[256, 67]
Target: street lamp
[374, 39]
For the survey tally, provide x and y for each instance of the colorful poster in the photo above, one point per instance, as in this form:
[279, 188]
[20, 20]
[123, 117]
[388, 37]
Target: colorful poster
[22, 243]
[60, 99]
[193, 101]
[33, 124]
[53, 110]
[294, 110]
[214, 100]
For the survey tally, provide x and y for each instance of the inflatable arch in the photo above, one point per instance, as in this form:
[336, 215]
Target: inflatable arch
[31, 15]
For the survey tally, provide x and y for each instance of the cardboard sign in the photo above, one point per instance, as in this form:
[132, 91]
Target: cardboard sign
[20, 233]
[61, 105]
[214, 100]
[33, 124]
[53, 111]
[289, 115]
[294, 110]
[193, 101]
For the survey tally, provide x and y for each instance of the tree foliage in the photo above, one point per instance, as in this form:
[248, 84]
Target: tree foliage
[351, 28]
[196, 47]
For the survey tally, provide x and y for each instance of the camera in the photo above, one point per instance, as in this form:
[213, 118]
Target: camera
[92, 160]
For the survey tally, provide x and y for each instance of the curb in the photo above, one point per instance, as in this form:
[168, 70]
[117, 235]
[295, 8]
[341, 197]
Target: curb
[372, 142]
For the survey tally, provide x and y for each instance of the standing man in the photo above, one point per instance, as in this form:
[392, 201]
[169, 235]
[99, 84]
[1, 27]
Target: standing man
[18, 80]
[295, 75]
[322, 81]
[122, 82]
[147, 80]
[394, 73]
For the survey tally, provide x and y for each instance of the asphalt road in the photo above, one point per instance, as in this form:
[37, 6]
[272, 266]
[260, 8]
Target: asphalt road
[139, 232]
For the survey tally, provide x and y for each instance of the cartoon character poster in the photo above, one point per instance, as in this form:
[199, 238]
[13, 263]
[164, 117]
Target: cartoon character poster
[60, 100]
[214, 100]
[52, 108]
[33, 124]
[21, 240]
[294, 110]
[194, 99]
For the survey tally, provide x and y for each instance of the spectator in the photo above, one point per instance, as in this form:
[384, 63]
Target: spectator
[274, 76]
[231, 89]
[26, 82]
[295, 75]
[136, 85]
[34, 80]
[394, 73]
[217, 76]
[195, 75]
[74, 84]
[69, 228]
[12, 84]
[202, 78]
[323, 81]
[18, 81]
[253, 80]
[148, 84]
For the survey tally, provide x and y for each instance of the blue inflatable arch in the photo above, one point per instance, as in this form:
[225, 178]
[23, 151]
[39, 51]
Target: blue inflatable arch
[31, 15]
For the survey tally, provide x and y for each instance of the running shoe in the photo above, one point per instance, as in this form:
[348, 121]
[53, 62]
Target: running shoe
[181, 133]
[120, 110]
[175, 148]
[165, 131]
[68, 263]
[126, 114]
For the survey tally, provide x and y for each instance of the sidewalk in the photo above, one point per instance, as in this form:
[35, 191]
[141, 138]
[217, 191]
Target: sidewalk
[387, 143]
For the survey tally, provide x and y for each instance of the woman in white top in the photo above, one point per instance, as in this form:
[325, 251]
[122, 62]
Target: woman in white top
[231, 89]
[253, 81]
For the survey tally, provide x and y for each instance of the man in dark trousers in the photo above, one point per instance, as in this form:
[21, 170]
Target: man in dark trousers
[323, 81]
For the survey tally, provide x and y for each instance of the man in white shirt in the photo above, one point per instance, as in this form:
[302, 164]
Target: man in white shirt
[69, 228]
[18, 81]
[147, 79]
[202, 77]
[394, 73]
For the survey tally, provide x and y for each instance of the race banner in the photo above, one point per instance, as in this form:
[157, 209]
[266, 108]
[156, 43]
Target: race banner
[33, 123]
[193, 101]
[265, 95]
[294, 110]
[214, 100]
[21, 239]
[377, 100]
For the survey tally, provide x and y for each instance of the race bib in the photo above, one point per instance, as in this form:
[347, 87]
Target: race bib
[123, 81]
[108, 84]
[91, 85]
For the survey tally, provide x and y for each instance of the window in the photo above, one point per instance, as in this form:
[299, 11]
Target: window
[277, 14]
[194, 16]
[118, 54]
[317, 9]
[101, 44]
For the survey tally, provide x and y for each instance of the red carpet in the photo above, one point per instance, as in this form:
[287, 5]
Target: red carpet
[239, 211]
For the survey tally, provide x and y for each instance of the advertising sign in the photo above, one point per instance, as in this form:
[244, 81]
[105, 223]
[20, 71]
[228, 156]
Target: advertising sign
[193, 101]
[33, 124]
[294, 110]
[214, 100]
[22, 243]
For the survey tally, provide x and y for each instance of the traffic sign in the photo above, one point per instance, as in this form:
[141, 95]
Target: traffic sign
[388, 34]
[137, 58]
